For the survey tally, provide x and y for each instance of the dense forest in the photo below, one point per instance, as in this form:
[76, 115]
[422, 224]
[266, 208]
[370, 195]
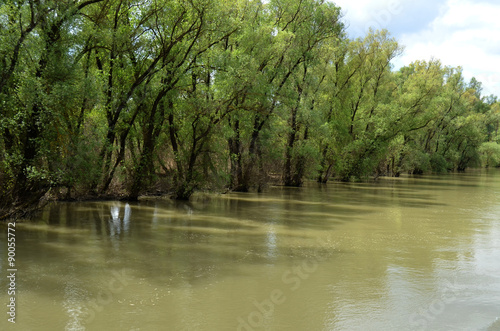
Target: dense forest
[130, 97]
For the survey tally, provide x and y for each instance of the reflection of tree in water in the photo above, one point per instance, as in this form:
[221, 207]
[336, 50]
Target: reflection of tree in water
[118, 225]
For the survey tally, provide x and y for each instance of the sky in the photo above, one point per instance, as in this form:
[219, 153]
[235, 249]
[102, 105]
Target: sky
[462, 33]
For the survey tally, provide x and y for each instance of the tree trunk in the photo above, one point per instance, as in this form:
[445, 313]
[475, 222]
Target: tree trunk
[288, 173]
[237, 181]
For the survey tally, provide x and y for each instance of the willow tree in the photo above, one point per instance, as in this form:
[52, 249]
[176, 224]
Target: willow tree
[441, 132]
[189, 40]
[39, 93]
[316, 45]
[278, 40]
[134, 43]
[362, 91]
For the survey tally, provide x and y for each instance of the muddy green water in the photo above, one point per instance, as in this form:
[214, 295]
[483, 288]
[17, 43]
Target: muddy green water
[400, 254]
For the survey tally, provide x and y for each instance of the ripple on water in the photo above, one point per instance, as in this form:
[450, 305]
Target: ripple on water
[73, 299]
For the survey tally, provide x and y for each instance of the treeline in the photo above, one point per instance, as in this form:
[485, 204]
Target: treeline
[146, 96]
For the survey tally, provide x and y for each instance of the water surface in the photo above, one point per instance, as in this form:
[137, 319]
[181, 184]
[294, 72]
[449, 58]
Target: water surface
[400, 254]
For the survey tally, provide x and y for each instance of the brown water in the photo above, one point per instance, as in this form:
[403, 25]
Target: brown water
[400, 254]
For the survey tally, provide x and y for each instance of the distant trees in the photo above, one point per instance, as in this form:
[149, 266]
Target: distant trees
[130, 97]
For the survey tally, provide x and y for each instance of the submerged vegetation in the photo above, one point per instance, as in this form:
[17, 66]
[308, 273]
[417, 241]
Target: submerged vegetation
[139, 96]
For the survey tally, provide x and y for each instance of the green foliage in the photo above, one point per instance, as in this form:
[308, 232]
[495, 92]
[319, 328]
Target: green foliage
[133, 97]
[416, 161]
[490, 154]
[438, 163]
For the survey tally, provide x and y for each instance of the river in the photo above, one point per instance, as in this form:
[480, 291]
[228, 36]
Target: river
[409, 253]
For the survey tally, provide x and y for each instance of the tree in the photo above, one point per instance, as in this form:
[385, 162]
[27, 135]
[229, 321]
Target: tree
[131, 97]
[363, 93]
[37, 92]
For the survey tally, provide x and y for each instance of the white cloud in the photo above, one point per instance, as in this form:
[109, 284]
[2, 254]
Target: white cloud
[462, 33]
[362, 14]
[467, 34]
[466, 14]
